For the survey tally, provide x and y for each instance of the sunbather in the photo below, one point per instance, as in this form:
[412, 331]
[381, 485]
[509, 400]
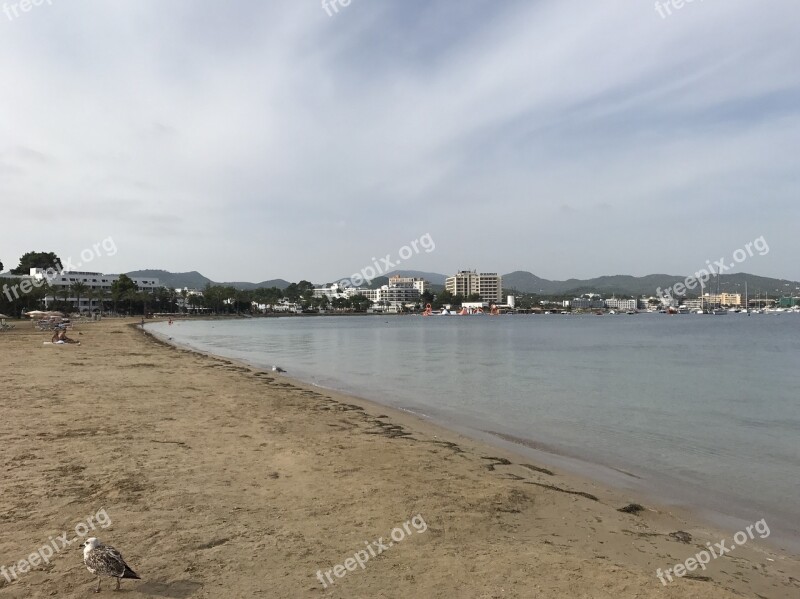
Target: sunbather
[60, 337]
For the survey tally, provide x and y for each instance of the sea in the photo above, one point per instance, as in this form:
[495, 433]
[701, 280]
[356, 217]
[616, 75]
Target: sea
[698, 412]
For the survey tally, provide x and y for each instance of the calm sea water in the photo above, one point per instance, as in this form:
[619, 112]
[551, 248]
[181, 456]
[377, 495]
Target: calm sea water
[699, 410]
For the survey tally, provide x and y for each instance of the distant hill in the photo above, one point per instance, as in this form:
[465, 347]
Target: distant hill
[279, 283]
[175, 280]
[194, 280]
[527, 282]
[434, 278]
[524, 282]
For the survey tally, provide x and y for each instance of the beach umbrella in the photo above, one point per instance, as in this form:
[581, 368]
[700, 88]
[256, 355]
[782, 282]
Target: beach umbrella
[35, 313]
[3, 316]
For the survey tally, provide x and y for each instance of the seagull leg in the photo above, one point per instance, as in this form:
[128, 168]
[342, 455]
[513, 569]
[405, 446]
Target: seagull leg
[97, 590]
[117, 585]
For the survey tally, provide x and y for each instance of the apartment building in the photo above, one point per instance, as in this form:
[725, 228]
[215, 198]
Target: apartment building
[622, 304]
[489, 285]
[420, 285]
[724, 299]
[387, 294]
[95, 281]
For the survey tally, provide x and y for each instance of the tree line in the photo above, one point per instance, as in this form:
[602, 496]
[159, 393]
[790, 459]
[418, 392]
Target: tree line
[124, 297]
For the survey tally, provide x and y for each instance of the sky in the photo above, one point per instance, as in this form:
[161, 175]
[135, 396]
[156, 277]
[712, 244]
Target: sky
[283, 139]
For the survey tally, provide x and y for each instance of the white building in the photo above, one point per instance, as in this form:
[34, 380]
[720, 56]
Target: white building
[587, 303]
[283, 305]
[370, 294]
[622, 304]
[183, 298]
[331, 292]
[420, 285]
[488, 285]
[398, 296]
[387, 295]
[94, 281]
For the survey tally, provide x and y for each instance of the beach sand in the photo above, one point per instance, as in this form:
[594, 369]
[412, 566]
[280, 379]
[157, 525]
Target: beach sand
[221, 481]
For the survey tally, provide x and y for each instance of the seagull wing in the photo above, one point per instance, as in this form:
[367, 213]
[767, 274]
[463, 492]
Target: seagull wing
[107, 561]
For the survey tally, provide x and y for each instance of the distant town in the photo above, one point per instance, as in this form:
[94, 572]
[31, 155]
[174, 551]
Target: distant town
[464, 292]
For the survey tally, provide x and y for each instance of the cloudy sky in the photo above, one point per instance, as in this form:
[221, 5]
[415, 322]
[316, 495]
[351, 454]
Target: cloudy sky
[256, 140]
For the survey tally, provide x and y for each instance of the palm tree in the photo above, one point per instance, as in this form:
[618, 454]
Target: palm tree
[78, 289]
[144, 297]
[173, 299]
[131, 295]
[64, 290]
[91, 295]
[103, 295]
[197, 301]
[47, 290]
[116, 295]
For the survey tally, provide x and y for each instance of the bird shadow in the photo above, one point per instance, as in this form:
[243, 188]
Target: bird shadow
[180, 589]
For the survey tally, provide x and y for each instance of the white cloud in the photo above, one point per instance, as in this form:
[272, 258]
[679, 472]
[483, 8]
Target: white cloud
[258, 140]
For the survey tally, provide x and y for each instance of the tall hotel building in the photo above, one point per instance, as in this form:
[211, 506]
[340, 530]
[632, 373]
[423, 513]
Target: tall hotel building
[489, 285]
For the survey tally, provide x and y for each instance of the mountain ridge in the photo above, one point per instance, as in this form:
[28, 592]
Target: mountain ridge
[194, 280]
[521, 281]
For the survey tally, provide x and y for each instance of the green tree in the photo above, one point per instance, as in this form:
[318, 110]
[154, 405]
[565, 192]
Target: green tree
[340, 303]
[426, 298]
[197, 301]
[79, 290]
[40, 294]
[132, 296]
[442, 298]
[65, 293]
[360, 303]
[267, 295]
[243, 301]
[292, 293]
[103, 296]
[122, 289]
[31, 260]
[146, 299]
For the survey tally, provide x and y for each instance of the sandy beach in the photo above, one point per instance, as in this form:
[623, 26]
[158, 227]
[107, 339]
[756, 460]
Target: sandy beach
[216, 480]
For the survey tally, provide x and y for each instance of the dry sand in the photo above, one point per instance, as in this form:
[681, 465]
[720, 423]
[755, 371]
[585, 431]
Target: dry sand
[224, 482]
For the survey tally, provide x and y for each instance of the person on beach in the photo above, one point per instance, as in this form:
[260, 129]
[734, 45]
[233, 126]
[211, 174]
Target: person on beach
[60, 338]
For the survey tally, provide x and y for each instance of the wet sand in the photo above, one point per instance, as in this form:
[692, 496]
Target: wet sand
[223, 481]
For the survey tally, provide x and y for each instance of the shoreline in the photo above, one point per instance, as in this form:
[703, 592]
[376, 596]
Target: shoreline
[581, 468]
[224, 480]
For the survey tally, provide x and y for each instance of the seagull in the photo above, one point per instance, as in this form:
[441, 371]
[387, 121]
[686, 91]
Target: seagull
[104, 560]
[277, 369]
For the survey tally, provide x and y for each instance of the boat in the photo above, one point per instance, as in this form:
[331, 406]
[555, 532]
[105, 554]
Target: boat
[718, 310]
[746, 300]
